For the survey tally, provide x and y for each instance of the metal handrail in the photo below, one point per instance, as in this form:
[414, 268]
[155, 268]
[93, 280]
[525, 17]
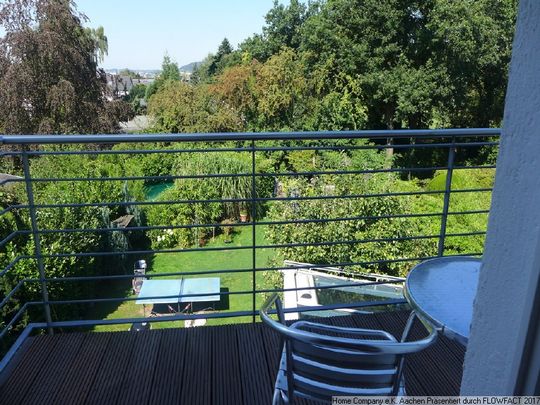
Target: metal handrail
[245, 136]
[368, 346]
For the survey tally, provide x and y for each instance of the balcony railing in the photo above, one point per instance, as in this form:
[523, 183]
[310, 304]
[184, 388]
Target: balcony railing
[35, 297]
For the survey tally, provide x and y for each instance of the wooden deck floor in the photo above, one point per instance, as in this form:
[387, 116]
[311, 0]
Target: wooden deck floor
[233, 364]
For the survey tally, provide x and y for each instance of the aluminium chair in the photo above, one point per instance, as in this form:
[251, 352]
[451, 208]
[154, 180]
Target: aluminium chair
[317, 362]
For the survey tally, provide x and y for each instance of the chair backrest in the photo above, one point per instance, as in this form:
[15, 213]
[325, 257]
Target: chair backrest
[322, 361]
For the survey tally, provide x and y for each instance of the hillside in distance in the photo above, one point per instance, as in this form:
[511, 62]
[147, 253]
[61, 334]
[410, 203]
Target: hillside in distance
[189, 67]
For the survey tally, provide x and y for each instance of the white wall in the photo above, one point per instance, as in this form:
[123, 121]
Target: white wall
[511, 263]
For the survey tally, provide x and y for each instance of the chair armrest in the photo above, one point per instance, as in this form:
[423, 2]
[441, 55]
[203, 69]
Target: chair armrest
[373, 346]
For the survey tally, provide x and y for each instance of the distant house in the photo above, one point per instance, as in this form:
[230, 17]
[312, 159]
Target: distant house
[185, 76]
[120, 85]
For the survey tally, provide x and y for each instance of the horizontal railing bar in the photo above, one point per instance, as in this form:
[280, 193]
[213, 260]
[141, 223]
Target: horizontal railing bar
[226, 175]
[257, 149]
[473, 167]
[244, 136]
[262, 269]
[16, 317]
[360, 304]
[13, 349]
[479, 190]
[236, 175]
[226, 271]
[12, 264]
[6, 210]
[257, 199]
[226, 248]
[353, 196]
[130, 178]
[362, 241]
[8, 238]
[258, 269]
[378, 147]
[211, 294]
[235, 314]
[94, 152]
[10, 294]
[242, 224]
[184, 273]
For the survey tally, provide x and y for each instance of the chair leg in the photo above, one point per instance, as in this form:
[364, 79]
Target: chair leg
[279, 398]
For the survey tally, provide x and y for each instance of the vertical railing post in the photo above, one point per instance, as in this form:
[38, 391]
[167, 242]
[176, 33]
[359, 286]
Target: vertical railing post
[36, 238]
[447, 193]
[253, 229]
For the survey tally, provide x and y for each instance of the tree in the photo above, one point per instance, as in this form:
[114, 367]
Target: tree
[473, 40]
[180, 107]
[100, 41]
[236, 88]
[421, 63]
[224, 49]
[169, 69]
[129, 73]
[136, 98]
[281, 92]
[282, 29]
[49, 78]
[169, 72]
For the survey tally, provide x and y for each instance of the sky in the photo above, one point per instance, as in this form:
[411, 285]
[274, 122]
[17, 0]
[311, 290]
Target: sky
[140, 32]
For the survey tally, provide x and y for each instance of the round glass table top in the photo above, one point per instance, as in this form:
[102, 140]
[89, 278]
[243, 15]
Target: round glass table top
[443, 291]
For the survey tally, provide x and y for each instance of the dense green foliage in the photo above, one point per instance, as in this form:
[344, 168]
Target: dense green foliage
[352, 64]
[83, 218]
[340, 228]
[218, 188]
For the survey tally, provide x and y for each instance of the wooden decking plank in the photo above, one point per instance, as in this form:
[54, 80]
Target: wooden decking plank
[108, 382]
[257, 383]
[139, 372]
[226, 373]
[23, 376]
[168, 378]
[273, 347]
[197, 368]
[83, 370]
[60, 359]
[455, 348]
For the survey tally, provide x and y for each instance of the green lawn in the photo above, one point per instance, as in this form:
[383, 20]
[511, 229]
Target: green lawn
[202, 261]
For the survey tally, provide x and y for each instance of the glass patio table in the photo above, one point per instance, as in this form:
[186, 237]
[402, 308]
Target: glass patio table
[172, 291]
[443, 290]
